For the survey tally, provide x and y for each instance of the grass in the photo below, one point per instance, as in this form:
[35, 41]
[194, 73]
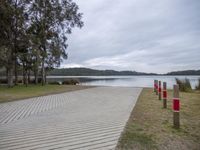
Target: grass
[22, 92]
[150, 125]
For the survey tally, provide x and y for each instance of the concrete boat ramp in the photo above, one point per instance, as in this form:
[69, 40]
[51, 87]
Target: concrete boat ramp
[87, 119]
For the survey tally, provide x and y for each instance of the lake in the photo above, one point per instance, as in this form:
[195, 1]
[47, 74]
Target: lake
[126, 81]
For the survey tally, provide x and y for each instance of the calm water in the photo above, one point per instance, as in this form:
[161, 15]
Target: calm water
[127, 81]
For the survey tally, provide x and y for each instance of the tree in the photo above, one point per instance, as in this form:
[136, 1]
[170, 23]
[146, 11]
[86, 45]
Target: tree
[19, 19]
[6, 13]
[53, 20]
[33, 34]
[11, 32]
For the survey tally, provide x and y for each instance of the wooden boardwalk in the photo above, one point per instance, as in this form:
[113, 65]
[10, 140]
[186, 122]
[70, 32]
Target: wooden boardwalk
[87, 119]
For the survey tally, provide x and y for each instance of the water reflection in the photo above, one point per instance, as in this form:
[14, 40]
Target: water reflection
[128, 81]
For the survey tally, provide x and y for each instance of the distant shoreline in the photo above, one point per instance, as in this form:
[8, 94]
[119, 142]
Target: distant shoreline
[115, 75]
[94, 72]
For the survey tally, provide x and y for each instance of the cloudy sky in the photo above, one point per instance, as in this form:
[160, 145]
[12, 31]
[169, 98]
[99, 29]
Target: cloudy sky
[143, 35]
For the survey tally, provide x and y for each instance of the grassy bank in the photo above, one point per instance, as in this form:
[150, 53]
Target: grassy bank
[150, 126]
[22, 92]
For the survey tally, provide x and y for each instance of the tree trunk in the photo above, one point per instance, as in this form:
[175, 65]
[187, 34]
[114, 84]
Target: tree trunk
[10, 76]
[15, 43]
[36, 69]
[43, 72]
[10, 69]
[45, 76]
[36, 75]
[7, 75]
[29, 76]
[23, 72]
[16, 71]
[26, 77]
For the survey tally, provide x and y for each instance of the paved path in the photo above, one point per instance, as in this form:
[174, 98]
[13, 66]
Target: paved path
[87, 119]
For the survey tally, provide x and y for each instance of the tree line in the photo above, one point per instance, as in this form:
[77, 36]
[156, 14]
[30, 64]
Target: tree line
[94, 72]
[33, 36]
[185, 72]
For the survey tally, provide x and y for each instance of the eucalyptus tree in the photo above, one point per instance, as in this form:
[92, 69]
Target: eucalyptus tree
[6, 37]
[53, 20]
[33, 34]
[12, 19]
[19, 31]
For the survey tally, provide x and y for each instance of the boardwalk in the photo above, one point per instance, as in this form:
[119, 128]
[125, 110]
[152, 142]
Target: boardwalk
[87, 119]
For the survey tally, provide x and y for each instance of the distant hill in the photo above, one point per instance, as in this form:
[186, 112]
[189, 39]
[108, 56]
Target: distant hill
[93, 72]
[185, 72]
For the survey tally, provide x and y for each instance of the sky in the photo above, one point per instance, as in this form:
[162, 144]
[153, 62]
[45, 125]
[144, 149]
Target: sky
[139, 35]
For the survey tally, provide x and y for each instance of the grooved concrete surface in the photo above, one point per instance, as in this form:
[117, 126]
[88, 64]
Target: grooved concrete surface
[87, 119]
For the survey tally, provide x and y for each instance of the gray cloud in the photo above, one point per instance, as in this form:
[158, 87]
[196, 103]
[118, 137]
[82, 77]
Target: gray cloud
[142, 35]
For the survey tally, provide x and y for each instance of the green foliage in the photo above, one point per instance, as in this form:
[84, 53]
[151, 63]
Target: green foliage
[33, 34]
[184, 85]
[51, 22]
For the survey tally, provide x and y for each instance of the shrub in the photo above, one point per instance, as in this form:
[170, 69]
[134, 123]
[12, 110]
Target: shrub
[198, 85]
[187, 84]
[184, 85]
[71, 82]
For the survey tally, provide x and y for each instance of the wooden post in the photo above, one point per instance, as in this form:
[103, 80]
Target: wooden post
[176, 107]
[159, 91]
[164, 95]
[156, 87]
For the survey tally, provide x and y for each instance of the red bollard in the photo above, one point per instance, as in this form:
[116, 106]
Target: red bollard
[164, 95]
[176, 107]
[159, 91]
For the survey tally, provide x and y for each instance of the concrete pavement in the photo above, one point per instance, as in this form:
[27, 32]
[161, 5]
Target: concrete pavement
[86, 119]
